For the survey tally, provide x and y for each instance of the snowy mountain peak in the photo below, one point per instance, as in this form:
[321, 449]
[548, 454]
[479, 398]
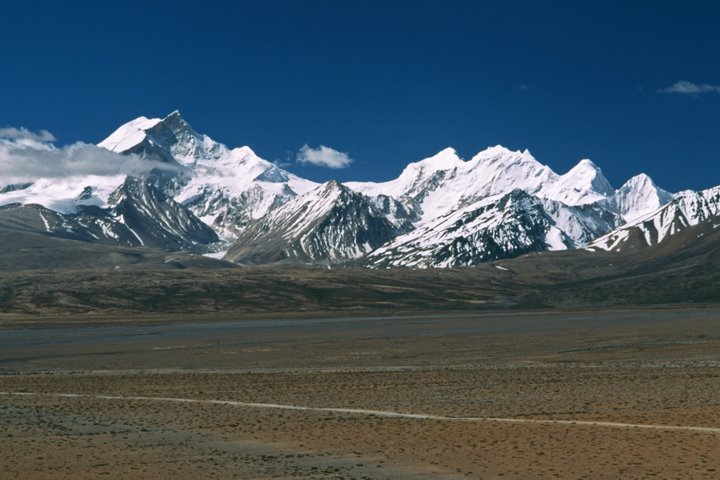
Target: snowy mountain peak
[328, 193]
[186, 145]
[448, 151]
[174, 114]
[582, 184]
[273, 174]
[497, 150]
[445, 159]
[586, 163]
[129, 135]
[500, 170]
[640, 181]
[637, 197]
[504, 155]
[587, 173]
[171, 139]
[330, 190]
[175, 122]
[332, 184]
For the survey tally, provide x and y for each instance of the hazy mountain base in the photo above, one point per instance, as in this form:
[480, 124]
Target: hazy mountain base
[85, 278]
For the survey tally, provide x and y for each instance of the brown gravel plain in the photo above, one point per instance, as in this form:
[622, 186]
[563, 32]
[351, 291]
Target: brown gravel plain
[644, 367]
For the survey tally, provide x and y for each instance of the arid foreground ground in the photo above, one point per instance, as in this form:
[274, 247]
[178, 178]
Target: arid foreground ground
[556, 394]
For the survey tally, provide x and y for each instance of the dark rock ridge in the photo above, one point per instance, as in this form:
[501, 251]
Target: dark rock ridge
[329, 224]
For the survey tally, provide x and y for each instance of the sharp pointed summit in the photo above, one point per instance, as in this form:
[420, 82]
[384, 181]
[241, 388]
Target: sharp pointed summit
[637, 197]
[582, 184]
[445, 159]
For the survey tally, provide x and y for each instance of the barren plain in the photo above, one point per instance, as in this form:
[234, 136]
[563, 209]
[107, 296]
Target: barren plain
[618, 393]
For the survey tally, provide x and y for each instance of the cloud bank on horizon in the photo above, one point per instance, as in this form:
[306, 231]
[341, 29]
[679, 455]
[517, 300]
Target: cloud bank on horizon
[684, 87]
[26, 156]
[323, 157]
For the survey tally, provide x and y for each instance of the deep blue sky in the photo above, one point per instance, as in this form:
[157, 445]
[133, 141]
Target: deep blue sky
[389, 82]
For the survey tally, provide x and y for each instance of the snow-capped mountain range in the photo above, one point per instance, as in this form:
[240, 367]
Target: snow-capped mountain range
[225, 188]
[442, 211]
[687, 210]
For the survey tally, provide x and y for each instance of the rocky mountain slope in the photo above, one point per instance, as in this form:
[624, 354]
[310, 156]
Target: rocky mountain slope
[494, 228]
[330, 223]
[140, 215]
[159, 221]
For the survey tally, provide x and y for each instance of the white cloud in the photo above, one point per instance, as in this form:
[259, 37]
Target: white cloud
[22, 133]
[26, 156]
[683, 87]
[323, 157]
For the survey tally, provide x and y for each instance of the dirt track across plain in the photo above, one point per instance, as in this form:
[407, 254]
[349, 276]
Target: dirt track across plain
[614, 394]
